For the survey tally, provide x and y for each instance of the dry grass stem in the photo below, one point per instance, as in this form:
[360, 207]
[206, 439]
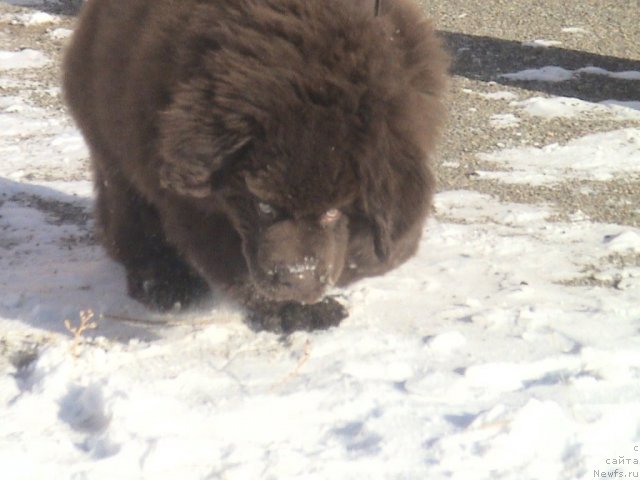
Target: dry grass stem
[85, 324]
[306, 354]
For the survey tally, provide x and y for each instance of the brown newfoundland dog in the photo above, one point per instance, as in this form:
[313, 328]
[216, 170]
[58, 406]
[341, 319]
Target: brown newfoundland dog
[270, 149]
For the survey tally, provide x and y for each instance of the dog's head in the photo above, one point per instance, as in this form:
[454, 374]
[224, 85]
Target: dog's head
[299, 190]
[293, 144]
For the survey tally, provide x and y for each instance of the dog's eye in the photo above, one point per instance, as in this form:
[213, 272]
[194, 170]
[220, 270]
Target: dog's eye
[330, 216]
[266, 210]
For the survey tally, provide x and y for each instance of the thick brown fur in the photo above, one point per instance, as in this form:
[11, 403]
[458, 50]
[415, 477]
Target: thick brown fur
[268, 148]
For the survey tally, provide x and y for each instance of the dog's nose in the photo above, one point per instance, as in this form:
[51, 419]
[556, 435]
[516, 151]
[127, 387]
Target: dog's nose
[293, 275]
[298, 282]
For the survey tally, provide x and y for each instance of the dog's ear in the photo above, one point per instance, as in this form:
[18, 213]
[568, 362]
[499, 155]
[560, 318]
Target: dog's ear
[378, 202]
[382, 237]
[396, 189]
[198, 139]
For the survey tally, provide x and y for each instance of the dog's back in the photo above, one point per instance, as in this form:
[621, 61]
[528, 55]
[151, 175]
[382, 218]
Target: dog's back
[118, 74]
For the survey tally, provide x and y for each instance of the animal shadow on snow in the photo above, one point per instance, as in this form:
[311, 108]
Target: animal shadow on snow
[486, 59]
[51, 267]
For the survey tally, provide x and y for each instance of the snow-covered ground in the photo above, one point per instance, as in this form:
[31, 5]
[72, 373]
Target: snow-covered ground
[507, 348]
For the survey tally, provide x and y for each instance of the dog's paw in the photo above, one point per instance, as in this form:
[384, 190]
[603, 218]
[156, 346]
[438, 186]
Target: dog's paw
[319, 316]
[291, 317]
[165, 289]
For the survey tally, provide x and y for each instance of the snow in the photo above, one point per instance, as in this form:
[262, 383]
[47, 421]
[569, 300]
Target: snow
[31, 136]
[502, 95]
[599, 157]
[541, 43]
[27, 58]
[544, 74]
[31, 19]
[479, 358]
[558, 74]
[575, 30]
[574, 107]
[504, 120]
[631, 104]
[60, 33]
[628, 75]
[625, 241]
